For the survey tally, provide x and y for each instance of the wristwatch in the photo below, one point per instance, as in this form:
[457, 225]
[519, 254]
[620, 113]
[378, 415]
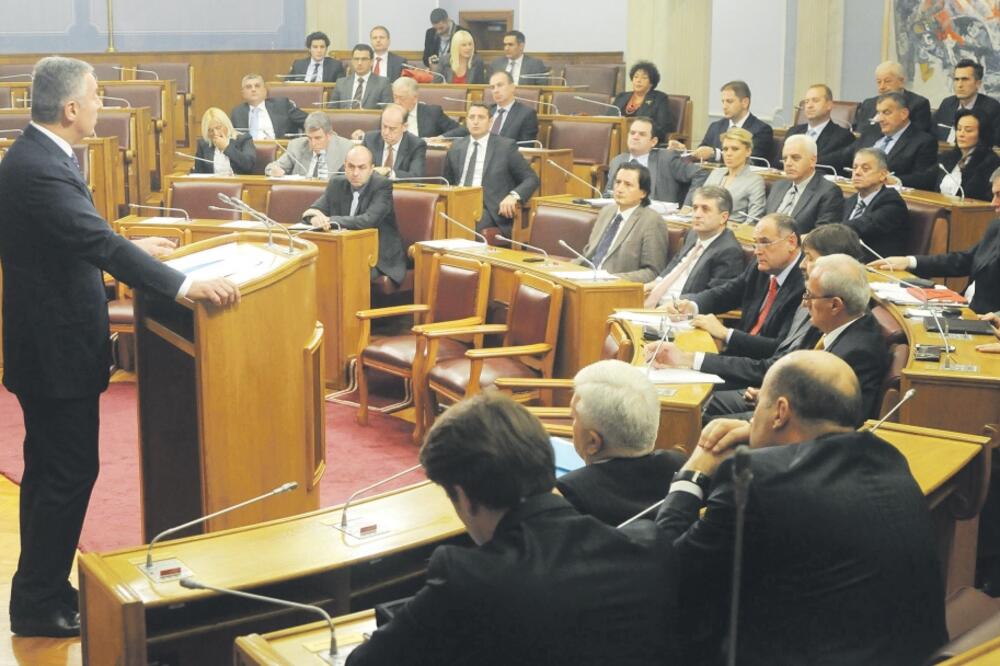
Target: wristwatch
[703, 481]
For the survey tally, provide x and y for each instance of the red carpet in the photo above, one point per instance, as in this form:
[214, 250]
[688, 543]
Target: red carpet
[357, 456]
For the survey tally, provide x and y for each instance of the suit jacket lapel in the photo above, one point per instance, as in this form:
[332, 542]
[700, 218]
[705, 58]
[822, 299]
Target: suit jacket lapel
[623, 233]
[652, 173]
[805, 195]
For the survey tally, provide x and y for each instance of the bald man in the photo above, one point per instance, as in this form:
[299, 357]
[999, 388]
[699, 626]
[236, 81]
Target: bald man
[890, 77]
[397, 153]
[840, 561]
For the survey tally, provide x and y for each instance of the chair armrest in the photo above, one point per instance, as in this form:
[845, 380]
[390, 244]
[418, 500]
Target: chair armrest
[558, 430]
[550, 412]
[526, 383]
[395, 311]
[482, 329]
[519, 350]
[422, 329]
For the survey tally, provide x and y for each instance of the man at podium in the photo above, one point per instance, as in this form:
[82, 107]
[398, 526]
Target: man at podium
[54, 246]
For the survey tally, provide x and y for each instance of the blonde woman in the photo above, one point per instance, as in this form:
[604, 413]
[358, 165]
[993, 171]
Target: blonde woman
[465, 66]
[745, 186]
[221, 149]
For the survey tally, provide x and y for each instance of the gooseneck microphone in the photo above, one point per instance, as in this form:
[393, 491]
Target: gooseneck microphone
[600, 195]
[355, 494]
[160, 208]
[530, 247]
[156, 77]
[256, 214]
[462, 226]
[906, 396]
[927, 304]
[958, 183]
[584, 259]
[618, 112]
[193, 157]
[305, 170]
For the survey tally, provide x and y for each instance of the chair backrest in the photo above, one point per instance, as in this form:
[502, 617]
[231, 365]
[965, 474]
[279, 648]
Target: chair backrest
[117, 123]
[899, 354]
[14, 120]
[267, 152]
[181, 72]
[590, 141]
[13, 68]
[459, 288]
[196, 196]
[138, 95]
[434, 164]
[927, 230]
[598, 78]
[532, 94]
[675, 240]
[682, 108]
[415, 214]
[437, 96]
[552, 223]
[842, 113]
[105, 71]
[777, 146]
[286, 202]
[345, 122]
[6, 99]
[303, 94]
[533, 317]
[617, 343]
[568, 105]
[892, 331]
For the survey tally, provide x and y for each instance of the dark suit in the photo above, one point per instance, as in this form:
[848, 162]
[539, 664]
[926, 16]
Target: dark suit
[56, 343]
[521, 123]
[530, 67]
[910, 158]
[408, 162]
[719, 263]
[672, 175]
[829, 143]
[332, 69]
[241, 153]
[433, 121]
[375, 211]
[984, 104]
[616, 489]
[763, 135]
[981, 263]
[476, 72]
[820, 202]
[639, 250]
[550, 587]
[392, 67]
[883, 224]
[286, 118]
[840, 560]
[920, 113]
[503, 171]
[748, 292]
[377, 89]
[862, 346]
[975, 174]
[656, 105]
[432, 43]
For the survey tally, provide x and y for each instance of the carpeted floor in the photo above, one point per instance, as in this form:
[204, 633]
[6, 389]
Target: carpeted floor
[356, 456]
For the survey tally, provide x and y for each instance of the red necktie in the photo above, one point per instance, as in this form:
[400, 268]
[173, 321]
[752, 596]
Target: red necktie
[772, 291]
[378, 66]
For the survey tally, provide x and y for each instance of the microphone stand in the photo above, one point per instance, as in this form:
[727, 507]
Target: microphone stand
[368, 530]
[600, 195]
[909, 394]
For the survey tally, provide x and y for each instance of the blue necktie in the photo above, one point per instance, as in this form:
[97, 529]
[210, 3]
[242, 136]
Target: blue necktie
[604, 244]
[255, 122]
[883, 144]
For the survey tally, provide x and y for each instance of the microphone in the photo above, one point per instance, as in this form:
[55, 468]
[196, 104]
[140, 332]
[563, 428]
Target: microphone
[545, 76]
[407, 65]
[906, 396]
[532, 142]
[128, 105]
[582, 258]
[664, 336]
[618, 112]
[156, 77]
[138, 206]
[958, 183]
[17, 76]
[11, 131]
[951, 133]
[256, 214]
[469, 229]
[761, 159]
[193, 157]
[192, 584]
[417, 179]
[530, 247]
[827, 166]
[536, 102]
[747, 217]
[342, 101]
[946, 359]
[600, 195]
[371, 529]
[305, 171]
[284, 488]
[916, 282]
[742, 476]
[455, 99]
[300, 77]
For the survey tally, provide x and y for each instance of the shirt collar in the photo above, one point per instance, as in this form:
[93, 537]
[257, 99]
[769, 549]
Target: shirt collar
[818, 128]
[868, 199]
[258, 106]
[793, 265]
[830, 337]
[706, 243]
[895, 136]
[805, 182]
[627, 213]
[741, 121]
[507, 107]
[971, 104]
[59, 141]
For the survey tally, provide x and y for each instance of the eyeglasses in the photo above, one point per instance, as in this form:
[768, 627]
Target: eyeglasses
[764, 244]
[807, 297]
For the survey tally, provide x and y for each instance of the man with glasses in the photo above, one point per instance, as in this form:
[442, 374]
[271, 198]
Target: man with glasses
[398, 154]
[361, 90]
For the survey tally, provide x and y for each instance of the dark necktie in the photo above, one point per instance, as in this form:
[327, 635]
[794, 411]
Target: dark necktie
[378, 67]
[359, 90]
[498, 121]
[859, 209]
[314, 74]
[765, 309]
[470, 170]
[604, 244]
[789, 202]
[390, 159]
[76, 162]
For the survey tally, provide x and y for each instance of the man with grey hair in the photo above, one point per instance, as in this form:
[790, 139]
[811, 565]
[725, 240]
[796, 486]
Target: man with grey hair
[398, 154]
[422, 120]
[616, 414]
[889, 77]
[265, 117]
[877, 213]
[318, 154]
[805, 195]
[54, 247]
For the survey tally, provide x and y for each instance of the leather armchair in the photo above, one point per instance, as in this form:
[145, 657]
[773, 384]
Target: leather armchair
[195, 197]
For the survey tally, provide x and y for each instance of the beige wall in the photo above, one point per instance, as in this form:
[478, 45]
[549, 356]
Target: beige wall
[330, 16]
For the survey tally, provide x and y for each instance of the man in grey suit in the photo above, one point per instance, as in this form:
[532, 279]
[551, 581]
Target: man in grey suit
[523, 69]
[494, 163]
[629, 239]
[671, 174]
[363, 200]
[805, 195]
[316, 155]
[361, 89]
[398, 154]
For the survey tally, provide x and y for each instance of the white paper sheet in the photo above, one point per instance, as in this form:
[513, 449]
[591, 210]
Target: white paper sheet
[583, 276]
[683, 376]
[164, 220]
[454, 244]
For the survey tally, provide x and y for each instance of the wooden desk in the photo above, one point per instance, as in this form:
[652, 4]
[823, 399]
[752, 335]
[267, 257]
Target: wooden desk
[302, 644]
[987, 654]
[127, 619]
[105, 175]
[553, 181]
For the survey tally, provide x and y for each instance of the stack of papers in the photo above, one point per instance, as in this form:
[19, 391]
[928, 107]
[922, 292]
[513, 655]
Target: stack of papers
[245, 224]
[599, 203]
[654, 319]
[165, 220]
[583, 276]
[682, 376]
[894, 293]
[238, 262]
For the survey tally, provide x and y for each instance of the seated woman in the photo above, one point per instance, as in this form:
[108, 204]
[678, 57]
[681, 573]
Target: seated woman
[645, 100]
[745, 186]
[465, 66]
[971, 162]
[221, 149]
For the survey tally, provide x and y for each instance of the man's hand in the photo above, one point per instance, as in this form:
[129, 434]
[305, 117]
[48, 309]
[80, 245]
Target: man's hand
[990, 348]
[711, 325]
[890, 264]
[382, 170]
[750, 395]
[156, 246]
[277, 171]
[648, 287]
[668, 355]
[317, 219]
[678, 309]
[509, 205]
[674, 144]
[721, 435]
[218, 291]
[992, 317]
[703, 153]
[358, 135]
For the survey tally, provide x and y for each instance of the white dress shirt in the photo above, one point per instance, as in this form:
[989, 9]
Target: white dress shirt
[318, 76]
[477, 173]
[265, 129]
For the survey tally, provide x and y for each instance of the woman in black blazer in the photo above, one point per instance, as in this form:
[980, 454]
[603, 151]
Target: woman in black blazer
[972, 162]
[221, 149]
[465, 66]
[645, 100]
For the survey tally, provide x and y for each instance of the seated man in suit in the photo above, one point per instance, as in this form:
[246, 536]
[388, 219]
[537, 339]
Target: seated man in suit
[398, 154]
[840, 562]
[523, 69]
[494, 163]
[804, 194]
[544, 585]
[876, 212]
[828, 135]
[423, 120]
[616, 414]
[265, 117]
[968, 79]
[709, 256]
[386, 63]
[672, 175]
[889, 78]
[317, 66]
[361, 90]
[437, 39]
[768, 293]
[736, 113]
[313, 154]
[363, 200]
[511, 118]
[629, 239]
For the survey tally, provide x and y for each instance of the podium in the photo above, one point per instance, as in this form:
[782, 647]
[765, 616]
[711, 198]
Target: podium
[231, 399]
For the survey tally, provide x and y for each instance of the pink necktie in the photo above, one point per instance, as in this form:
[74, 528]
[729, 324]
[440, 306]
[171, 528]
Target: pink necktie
[680, 269]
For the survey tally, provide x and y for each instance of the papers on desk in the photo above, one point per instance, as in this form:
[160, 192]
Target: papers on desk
[199, 175]
[664, 207]
[599, 203]
[653, 319]
[894, 293]
[300, 226]
[245, 224]
[240, 262]
[683, 376]
[165, 220]
[584, 276]
[290, 176]
[454, 244]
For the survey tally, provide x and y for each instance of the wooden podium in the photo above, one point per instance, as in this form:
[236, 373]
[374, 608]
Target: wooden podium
[231, 399]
